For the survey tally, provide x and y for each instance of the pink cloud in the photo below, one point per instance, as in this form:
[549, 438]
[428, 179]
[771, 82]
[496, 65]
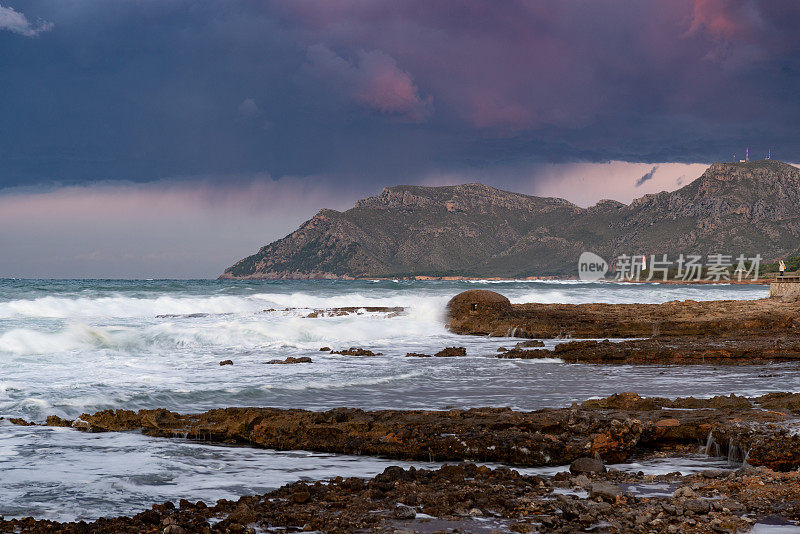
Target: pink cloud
[373, 80]
[390, 89]
[724, 19]
[521, 65]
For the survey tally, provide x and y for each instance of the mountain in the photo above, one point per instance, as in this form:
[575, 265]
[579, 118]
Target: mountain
[477, 230]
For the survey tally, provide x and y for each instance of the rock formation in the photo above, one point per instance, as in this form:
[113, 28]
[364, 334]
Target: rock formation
[488, 313]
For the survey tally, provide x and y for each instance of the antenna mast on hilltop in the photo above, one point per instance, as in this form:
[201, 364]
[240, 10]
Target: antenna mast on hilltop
[746, 156]
[769, 154]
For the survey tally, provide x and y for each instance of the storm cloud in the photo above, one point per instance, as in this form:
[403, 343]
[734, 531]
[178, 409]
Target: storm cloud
[378, 93]
[145, 90]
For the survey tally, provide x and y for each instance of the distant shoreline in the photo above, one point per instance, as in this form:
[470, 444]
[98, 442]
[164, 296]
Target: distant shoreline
[545, 278]
[761, 281]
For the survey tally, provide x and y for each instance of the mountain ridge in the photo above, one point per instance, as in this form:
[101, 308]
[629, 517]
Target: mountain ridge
[477, 230]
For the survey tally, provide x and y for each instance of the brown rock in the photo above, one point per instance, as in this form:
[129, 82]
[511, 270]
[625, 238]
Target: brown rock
[54, 420]
[289, 360]
[607, 492]
[613, 429]
[664, 423]
[483, 312]
[587, 465]
[226, 362]
[528, 344]
[20, 422]
[302, 496]
[355, 351]
[473, 310]
[451, 352]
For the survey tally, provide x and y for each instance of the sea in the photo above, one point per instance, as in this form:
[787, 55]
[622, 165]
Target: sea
[69, 347]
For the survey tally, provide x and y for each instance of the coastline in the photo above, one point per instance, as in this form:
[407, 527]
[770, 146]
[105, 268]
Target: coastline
[581, 492]
[623, 428]
[544, 278]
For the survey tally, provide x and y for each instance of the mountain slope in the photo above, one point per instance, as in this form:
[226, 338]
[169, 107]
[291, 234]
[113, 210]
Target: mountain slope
[477, 230]
[732, 208]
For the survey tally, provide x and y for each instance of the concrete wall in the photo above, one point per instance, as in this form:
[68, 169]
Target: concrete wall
[784, 288]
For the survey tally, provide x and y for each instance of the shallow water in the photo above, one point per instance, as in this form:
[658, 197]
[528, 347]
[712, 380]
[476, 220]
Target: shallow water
[63, 474]
[68, 347]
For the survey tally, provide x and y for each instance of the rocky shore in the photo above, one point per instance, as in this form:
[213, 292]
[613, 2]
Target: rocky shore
[678, 332]
[483, 312]
[677, 350]
[758, 433]
[615, 429]
[471, 498]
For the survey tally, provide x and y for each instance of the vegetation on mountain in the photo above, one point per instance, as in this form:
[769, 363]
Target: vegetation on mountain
[475, 230]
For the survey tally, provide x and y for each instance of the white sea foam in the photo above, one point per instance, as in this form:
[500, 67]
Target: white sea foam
[61, 474]
[125, 306]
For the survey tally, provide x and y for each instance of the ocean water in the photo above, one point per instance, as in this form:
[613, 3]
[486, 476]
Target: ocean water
[69, 347]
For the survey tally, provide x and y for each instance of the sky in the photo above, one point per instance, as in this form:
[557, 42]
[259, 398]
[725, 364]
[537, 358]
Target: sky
[169, 138]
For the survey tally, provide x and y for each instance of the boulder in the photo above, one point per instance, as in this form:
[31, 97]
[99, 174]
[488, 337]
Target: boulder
[477, 302]
[404, 512]
[587, 465]
[606, 492]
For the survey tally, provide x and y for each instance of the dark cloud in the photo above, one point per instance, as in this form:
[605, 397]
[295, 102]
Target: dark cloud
[141, 90]
[646, 176]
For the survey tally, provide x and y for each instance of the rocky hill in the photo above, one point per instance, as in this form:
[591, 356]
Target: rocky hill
[477, 230]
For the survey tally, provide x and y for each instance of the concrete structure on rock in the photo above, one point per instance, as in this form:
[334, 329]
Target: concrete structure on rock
[785, 287]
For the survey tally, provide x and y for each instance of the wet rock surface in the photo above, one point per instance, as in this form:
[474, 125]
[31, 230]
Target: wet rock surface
[356, 351]
[670, 350]
[391, 311]
[451, 352]
[678, 332]
[613, 429]
[587, 465]
[447, 352]
[484, 312]
[474, 498]
[529, 343]
[290, 360]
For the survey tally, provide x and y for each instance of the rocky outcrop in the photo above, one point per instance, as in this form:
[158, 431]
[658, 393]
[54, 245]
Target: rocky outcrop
[477, 230]
[761, 430]
[356, 351]
[613, 429]
[290, 360]
[466, 314]
[670, 351]
[451, 352]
